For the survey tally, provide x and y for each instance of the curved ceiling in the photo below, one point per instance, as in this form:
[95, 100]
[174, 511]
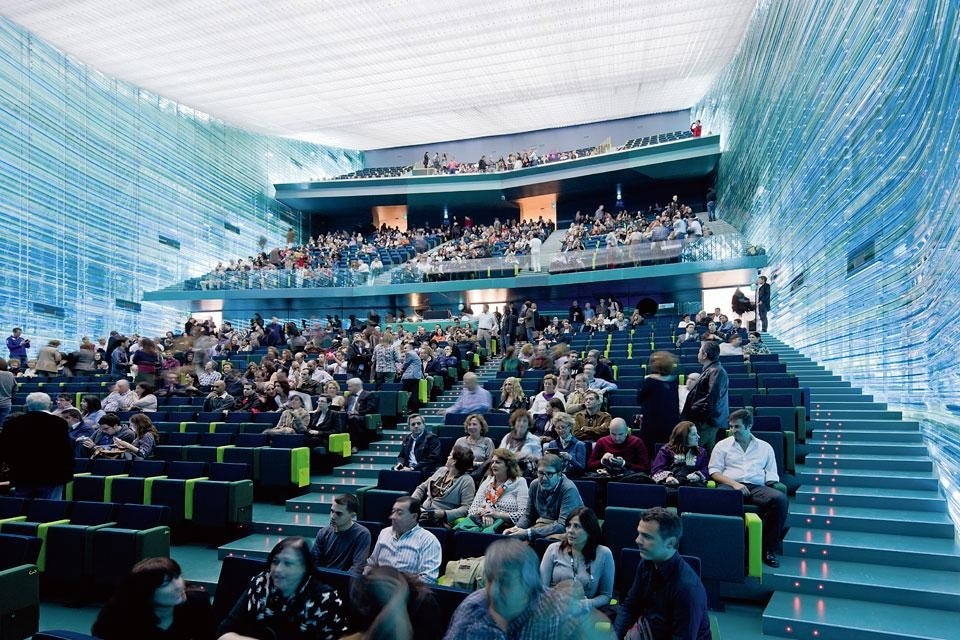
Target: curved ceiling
[368, 74]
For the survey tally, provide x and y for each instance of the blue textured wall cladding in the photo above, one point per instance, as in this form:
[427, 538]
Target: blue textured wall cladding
[93, 171]
[840, 126]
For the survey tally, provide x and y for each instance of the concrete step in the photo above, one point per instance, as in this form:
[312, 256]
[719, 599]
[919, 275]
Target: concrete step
[903, 586]
[385, 446]
[880, 498]
[855, 414]
[293, 524]
[877, 448]
[826, 434]
[339, 483]
[375, 457]
[868, 461]
[316, 502]
[826, 384]
[832, 406]
[840, 395]
[857, 546]
[915, 523]
[883, 479]
[815, 376]
[855, 424]
[361, 470]
[256, 545]
[791, 615]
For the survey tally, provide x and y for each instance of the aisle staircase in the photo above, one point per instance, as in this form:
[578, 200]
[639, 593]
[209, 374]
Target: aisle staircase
[871, 553]
[306, 514]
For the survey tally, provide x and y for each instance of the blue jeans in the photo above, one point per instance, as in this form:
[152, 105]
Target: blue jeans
[4, 412]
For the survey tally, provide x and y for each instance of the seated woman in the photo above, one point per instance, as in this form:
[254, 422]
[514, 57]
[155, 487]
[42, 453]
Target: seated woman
[682, 460]
[449, 492]
[524, 444]
[573, 452]
[286, 601]
[659, 397]
[146, 439]
[475, 426]
[565, 380]
[510, 362]
[154, 603]
[146, 401]
[294, 419]
[541, 402]
[579, 556]
[755, 345]
[501, 499]
[512, 396]
[332, 389]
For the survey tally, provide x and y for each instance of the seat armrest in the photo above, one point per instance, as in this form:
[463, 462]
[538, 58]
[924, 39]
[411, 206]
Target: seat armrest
[754, 531]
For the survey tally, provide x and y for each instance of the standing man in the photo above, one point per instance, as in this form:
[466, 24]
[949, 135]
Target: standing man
[536, 244]
[575, 316]
[420, 450]
[18, 346]
[360, 404]
[405, 545]
[486, 326]
[666, 599]
[530, 321]
[708, 404]
[38, 450]
[8, 387]
[343, 544]
[747, 464]
[763, 302]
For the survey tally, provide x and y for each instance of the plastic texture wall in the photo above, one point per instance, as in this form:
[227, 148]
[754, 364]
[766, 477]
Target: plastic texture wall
[107, 190]
[840, 129]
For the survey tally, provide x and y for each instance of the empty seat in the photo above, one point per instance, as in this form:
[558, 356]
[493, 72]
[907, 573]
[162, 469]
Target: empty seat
[19, 586]
[141, 531]
[225, 498]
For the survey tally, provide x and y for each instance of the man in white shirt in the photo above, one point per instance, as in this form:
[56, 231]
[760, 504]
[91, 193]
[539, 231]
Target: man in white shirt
[120, 399]
[731, 347]
[747, 464]
[486, 325]
[405, 545]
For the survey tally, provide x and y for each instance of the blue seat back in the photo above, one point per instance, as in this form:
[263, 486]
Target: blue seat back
[391, 480]
[180, 470]
[228, 471]
[722, 502]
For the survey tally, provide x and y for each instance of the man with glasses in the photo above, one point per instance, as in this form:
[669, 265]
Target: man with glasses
[420, 450]
[552, 498]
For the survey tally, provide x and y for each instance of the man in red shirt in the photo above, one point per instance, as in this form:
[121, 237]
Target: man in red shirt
[619, 452]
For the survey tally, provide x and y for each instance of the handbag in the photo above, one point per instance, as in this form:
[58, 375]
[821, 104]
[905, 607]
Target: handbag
[465, 573]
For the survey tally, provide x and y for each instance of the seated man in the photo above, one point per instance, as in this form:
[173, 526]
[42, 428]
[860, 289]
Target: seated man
[619, 452]
[343, 544]
[218, 399]
[360, 404]
[747, 464]
[405, 545]
[666, 599]
[420, 450]
[595, 383]
[732, 346]
[102, 438]
[516, 600]
[591, 423]
[473, 399]
[121, 398]
[551, 499]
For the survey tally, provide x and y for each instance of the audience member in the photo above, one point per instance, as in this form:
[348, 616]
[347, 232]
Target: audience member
[390, 605]
[473, 398]
[593, 382]
[659, 397]
[571, 451]
[146, 437]
[343, 544]
[359, 405]
[37, 449]
[707, 403]
[747, 464]
[515, 604]
[420, 449]
[512, 396]
[476, 440]
[17, 345]
[666, 599]
[619, 452]
[552, 497]
[8, 387]
[591, 423]
[120, 398]
[501, 499]
[681, 460]
[287, 600]
[154, 602]
[405, 545]
[579, 556]
[522, 443]
[447, 495]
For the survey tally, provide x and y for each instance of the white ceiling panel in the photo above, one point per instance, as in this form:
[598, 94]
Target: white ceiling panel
[368, 74]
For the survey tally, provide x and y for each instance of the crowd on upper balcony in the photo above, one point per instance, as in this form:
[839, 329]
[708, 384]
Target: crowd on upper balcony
[675, 221]
[334, 258]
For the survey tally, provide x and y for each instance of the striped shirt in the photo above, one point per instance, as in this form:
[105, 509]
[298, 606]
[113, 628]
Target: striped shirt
[417, 551]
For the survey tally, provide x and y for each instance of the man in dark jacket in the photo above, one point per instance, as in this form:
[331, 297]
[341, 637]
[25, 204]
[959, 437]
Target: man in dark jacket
[708, 404]
[420, 450]
[38, 450]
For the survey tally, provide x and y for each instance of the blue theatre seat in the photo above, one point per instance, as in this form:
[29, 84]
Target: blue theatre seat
[225, 499]
[141, 531]
[19, 586]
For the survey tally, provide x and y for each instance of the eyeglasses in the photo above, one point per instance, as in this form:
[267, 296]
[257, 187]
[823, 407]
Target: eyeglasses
[547, 474]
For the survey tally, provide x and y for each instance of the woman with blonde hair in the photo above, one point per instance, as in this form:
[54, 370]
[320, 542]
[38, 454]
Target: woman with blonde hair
[511, 396]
